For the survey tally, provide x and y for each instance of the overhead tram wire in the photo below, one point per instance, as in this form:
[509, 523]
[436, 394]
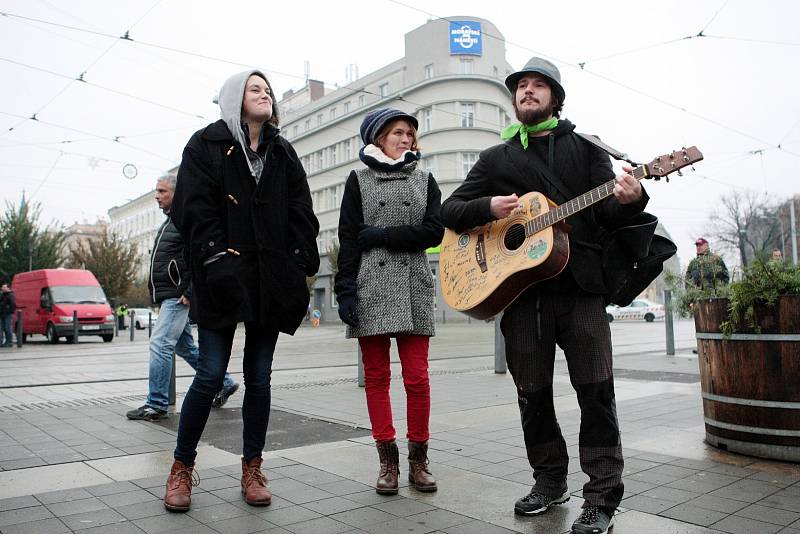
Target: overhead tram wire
[68, 85]
[577, 66]
[117, 139]
[109, 89]
[364, 90]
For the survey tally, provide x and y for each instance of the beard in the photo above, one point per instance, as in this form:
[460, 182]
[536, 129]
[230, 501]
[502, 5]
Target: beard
[529, 117]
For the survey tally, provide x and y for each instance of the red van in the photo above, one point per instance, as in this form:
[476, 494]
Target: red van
[48, 297]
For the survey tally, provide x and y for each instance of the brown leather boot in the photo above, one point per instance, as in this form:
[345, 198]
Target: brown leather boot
[254, 484]
[418, 474]
[178, 497]
[389, 456]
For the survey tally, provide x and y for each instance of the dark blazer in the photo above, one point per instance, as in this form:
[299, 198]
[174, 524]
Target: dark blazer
[271, 225]
[575, 167]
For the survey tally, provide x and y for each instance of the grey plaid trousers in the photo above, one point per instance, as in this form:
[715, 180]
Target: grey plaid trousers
[532, 326]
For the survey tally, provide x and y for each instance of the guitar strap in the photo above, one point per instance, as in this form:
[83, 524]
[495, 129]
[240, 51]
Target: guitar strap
[611, 151]
[548, 174]
[520, 159]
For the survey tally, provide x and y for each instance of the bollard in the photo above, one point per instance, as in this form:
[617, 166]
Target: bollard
[149, 325]
[75, 327]
[360, 368]
[500, 366]
[116, 325]
[668, 322]
[132, 315]
[172, 379]
[20, 335]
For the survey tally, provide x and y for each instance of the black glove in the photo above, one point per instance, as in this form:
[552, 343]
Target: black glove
[347, 311]
[372, 236]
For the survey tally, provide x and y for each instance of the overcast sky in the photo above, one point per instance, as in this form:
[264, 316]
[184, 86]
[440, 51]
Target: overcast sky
[643, 87]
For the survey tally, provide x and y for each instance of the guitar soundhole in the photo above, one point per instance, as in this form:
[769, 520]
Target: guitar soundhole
[514, 237]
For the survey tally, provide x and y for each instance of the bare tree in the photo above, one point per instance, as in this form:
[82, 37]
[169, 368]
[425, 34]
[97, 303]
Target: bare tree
[746, 223]
[111, 260]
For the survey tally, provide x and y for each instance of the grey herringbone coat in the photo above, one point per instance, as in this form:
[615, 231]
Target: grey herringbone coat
[394, 287]
[391, 285]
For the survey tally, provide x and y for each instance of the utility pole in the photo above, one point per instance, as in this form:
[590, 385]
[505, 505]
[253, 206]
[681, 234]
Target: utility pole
[793, 231]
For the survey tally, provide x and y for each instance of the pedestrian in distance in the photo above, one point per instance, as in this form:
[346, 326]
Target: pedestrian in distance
[543, 153]
[384, 286]
[170, 287]
[243, 207]
[122, 316]
[8, 305]
[706, 270]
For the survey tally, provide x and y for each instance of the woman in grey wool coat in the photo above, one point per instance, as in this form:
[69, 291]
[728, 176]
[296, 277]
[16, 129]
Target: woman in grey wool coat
[384, 286]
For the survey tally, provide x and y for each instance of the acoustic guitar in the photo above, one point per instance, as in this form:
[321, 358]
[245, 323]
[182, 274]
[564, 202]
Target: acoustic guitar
[482, 270]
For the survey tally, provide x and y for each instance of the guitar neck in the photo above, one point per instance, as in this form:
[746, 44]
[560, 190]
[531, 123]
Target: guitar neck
[559, 213]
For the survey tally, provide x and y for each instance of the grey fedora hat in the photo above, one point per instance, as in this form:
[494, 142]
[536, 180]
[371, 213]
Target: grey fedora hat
[539, 66]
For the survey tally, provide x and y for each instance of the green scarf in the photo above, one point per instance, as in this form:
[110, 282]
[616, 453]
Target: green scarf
[513, 129]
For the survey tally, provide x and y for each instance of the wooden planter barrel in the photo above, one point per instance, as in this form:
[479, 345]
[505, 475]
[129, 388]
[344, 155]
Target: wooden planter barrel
[751, 380]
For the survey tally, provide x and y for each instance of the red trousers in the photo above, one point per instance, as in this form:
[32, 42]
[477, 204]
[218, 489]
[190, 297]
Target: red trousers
[377, 375]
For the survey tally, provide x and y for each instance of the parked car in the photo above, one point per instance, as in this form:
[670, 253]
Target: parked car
[143, 316]
[48, 298]
[637, 310]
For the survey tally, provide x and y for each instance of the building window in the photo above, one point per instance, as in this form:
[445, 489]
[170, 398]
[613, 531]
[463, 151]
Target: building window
[503, 118]
[319, 119]
[468, 159]
[429, 164]
[468, 115]
[426, 122]
[295, 130]
[361, 101]
[429, 71]
[348, 150]
[347, 107]
[308, 124]
[384, 89]
[333, 113]
[466, 66]
[320, 160]
[333, 154]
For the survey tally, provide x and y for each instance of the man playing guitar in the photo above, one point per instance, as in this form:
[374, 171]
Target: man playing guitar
[544, 154]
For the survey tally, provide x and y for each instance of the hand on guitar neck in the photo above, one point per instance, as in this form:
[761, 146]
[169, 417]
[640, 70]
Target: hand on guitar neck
[627, 189]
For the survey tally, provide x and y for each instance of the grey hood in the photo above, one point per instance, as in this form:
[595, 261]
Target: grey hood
[230, 106]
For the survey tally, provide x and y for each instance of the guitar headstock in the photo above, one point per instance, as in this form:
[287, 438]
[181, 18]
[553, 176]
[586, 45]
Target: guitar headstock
[665, 165]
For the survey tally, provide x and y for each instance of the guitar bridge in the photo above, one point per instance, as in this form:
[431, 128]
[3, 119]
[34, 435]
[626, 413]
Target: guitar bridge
[480, 254]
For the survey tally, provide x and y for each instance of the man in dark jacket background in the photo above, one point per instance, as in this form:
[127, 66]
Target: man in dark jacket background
[544, 154]
[8, 305]
[243, 207]
[170, 287]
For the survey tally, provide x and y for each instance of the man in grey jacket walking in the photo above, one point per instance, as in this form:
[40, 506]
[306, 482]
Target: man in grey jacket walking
[170, 286]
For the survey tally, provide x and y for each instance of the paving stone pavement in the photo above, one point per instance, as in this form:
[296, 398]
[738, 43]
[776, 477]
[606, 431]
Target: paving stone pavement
[85, 468]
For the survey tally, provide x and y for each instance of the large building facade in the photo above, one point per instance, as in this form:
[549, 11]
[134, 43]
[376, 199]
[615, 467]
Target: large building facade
[451, 79]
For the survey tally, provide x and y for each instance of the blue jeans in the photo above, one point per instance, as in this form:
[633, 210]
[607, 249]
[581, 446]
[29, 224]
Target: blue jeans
[215, 351]
[172, 334]
[5, 322]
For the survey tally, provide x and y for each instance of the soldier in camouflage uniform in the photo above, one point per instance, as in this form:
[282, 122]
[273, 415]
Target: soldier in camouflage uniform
[707, 270]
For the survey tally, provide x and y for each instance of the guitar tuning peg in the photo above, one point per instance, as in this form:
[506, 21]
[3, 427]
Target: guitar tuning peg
[692, 167]
[680, 173]
[667, 178]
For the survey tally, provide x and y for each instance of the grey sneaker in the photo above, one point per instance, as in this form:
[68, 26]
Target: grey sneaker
[593, 520]
[535, 503]
[146, 413]
[222, 397]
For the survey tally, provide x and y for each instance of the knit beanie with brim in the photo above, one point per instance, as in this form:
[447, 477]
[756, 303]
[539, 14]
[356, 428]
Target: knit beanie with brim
[375, 121]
